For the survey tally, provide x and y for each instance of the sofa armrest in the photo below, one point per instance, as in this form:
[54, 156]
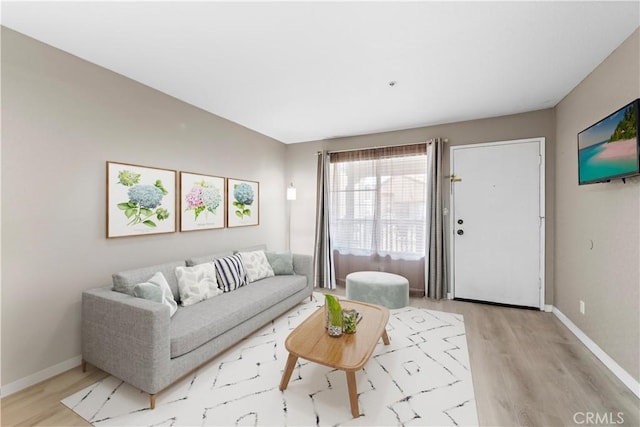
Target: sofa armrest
[303, 265]
[127, 337]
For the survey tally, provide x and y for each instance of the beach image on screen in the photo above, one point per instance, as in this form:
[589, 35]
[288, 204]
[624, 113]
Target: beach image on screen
[610, 148]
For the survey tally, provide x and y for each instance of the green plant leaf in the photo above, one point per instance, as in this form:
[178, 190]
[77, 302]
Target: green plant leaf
[128, 178]
[149, 223]
[158, 184]
[162, 214]
[246, 212]
[335, 310]
[198, 211]
[239, 214]
[130, 212]
[146, 212]
[123, 206]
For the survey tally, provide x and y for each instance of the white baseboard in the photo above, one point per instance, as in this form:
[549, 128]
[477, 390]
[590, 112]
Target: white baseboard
[40, 376]
[548, 308]
[616, 369]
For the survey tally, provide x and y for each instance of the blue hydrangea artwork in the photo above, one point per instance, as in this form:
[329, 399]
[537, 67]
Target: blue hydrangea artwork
[243, 193]
[243, 199]
[147, 196]
[144, 200]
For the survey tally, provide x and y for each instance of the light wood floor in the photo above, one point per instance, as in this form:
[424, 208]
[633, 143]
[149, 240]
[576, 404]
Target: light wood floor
[528, 370]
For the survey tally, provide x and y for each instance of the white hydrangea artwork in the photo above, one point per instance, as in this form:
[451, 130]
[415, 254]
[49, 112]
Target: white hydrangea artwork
[140, 200]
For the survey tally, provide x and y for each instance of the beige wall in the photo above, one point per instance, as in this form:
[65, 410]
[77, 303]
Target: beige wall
[302, 161]
[607, 277]
[62, 118]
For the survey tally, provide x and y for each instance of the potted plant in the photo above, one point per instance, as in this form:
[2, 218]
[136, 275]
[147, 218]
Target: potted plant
[334, 310]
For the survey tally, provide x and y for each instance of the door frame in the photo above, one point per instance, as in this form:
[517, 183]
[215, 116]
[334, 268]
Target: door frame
[541, 213]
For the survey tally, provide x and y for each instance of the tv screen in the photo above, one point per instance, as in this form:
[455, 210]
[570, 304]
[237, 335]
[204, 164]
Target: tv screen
[609, 149]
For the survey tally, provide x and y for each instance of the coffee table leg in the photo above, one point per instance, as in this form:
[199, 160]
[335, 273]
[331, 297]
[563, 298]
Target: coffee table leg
[385, 337]
[353, 394]
[288, 369]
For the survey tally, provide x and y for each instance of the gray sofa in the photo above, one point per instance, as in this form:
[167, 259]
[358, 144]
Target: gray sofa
[136, 340]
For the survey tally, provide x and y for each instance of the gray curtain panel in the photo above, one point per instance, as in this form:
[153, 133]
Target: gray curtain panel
[323, 268]
[436, 271]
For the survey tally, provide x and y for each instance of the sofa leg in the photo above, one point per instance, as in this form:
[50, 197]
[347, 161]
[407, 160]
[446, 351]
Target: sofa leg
[152, 400]
[84, 366]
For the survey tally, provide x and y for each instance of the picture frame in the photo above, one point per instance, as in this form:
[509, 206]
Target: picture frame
[243, 203]
[202, 202]
[141, 200]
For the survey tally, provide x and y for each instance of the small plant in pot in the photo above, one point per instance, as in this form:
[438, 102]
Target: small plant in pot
[334, 314]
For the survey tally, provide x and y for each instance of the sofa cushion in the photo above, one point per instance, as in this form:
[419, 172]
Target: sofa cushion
[197, 324]
[281, 262]
[197, 283]
[256, 265]
[125, 281]
[206, 258]
[157, 289]
[230, 273]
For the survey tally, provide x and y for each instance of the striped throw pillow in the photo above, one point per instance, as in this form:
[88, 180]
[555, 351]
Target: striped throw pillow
[230, 272]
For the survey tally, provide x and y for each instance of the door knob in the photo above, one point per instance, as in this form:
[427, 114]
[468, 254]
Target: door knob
[460, 232]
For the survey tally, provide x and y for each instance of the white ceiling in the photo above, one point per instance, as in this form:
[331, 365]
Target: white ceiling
[302, 71]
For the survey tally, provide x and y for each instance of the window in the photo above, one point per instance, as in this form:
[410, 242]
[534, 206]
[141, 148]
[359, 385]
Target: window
[377, 201]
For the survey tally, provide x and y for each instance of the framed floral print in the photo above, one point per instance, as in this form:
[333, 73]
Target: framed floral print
[243, 203]
[202, 202]
[141, 200]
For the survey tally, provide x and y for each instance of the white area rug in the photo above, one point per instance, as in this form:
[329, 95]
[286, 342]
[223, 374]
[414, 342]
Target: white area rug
[422, 378]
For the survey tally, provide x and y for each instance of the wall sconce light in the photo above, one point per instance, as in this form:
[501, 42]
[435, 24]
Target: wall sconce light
[291, 192]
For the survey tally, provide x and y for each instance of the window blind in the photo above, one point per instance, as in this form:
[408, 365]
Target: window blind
[377, 201]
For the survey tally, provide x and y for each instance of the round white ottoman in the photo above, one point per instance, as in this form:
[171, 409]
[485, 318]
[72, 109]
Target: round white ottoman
[378, 287]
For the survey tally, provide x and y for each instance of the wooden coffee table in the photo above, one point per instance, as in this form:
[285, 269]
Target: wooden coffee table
[348, 353]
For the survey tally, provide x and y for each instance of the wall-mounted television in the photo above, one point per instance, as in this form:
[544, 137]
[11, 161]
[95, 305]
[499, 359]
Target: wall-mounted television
[610, 148]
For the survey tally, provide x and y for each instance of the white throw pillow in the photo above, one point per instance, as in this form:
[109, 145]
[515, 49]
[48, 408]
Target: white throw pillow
[256, 265]
[197, 283]
[157, 289]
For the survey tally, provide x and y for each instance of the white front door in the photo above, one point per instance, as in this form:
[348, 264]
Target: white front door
[497, 220]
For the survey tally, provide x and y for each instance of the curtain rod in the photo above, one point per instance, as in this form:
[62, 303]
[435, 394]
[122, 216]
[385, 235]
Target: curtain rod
[380, 146]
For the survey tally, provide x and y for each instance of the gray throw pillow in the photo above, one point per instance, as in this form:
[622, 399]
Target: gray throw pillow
[281, 262]
[148, 291]
[156, 289]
